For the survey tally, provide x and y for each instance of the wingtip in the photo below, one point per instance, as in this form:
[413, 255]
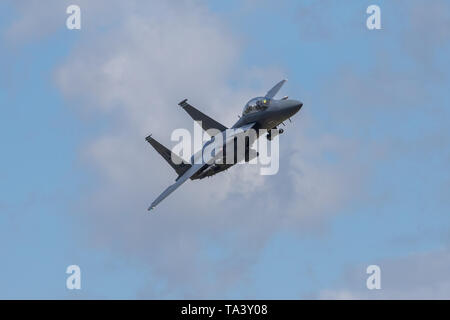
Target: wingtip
[182, 102]
[148, 137]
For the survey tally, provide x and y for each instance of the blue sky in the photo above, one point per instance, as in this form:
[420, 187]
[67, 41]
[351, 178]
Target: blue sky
[364, 174]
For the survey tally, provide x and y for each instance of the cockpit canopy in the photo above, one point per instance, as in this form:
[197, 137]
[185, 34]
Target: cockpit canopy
[256, 104]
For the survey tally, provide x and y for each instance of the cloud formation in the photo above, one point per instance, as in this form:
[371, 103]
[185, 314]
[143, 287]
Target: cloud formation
[131, 65]
[202, 240]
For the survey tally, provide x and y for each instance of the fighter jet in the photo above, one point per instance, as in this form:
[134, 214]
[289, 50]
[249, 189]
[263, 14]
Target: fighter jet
[259, 113]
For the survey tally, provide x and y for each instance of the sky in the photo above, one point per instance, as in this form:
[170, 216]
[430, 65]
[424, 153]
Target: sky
[364, 175]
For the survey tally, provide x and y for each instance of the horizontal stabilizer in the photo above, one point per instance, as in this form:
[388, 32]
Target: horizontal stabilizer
[206, 122]
[178, 164]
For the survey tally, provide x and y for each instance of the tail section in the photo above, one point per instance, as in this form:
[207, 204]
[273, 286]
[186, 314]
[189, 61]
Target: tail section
[172, 159]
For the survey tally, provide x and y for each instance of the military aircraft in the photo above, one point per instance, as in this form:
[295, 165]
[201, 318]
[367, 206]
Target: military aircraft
[259, 113]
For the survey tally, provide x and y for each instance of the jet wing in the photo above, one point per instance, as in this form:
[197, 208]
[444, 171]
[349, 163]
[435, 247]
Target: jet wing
[206, 122]
[189, 173]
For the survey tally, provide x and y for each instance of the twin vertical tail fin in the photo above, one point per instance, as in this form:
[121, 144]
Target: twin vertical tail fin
[272, 92]
[178, 164]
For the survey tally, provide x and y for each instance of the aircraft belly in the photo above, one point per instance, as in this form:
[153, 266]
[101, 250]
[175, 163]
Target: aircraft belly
[271, 122]
[212, 170]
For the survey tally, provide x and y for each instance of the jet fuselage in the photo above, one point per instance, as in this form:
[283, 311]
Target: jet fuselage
[276, 112]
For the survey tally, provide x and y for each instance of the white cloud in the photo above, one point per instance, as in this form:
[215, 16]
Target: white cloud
[132, 63]
[138, 71]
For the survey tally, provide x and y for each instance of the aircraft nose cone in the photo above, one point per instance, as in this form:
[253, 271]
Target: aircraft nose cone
[296, 105]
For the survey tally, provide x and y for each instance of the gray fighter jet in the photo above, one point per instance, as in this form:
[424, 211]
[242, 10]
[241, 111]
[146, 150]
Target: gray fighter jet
[259, 113]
